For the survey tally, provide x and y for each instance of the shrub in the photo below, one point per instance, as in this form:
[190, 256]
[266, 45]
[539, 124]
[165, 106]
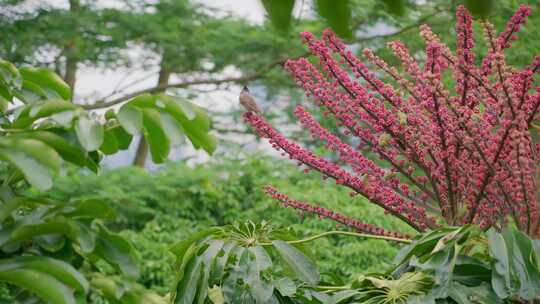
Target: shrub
[155, 209]
[58, 251]
[456, 155]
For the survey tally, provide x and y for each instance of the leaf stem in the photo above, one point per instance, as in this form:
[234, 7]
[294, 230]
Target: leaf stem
[349, 233]
[332, 288]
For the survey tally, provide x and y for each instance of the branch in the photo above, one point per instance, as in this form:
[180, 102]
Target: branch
[256, 75]
[163, 87]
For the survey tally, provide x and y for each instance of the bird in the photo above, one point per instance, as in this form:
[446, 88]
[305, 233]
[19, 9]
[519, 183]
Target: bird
[248, 102]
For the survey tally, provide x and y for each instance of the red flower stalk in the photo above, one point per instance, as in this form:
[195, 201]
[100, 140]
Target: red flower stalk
[324, 213]
[459, 154]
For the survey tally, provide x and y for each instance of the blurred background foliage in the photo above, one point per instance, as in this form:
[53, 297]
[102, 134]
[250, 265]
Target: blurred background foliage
[193, 49]
[159, 208]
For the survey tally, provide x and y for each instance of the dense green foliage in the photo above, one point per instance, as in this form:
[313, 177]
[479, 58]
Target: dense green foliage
[160, 208]
[53, 249]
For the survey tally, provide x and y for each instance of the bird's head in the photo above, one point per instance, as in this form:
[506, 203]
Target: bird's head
[245, 89]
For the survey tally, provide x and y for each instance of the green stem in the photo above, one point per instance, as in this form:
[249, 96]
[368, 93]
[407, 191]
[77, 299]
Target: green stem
[349, 233]
[332, 288]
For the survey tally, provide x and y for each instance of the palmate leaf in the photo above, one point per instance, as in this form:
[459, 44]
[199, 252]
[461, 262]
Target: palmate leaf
[303, 268]
[237, 267]
[514, 263]
[186, 289]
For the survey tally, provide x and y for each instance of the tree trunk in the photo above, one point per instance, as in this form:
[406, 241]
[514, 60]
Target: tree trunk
[70, 73]
[142, 149]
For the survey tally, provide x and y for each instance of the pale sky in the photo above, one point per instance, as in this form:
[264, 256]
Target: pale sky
[93, 84]
[96, 82]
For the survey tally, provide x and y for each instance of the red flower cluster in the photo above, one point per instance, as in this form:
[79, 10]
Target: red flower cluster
[457, 155]
[329, 214]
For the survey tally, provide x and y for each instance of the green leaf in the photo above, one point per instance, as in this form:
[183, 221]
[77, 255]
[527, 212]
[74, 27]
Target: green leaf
[262, 259]
[36, 173]
[172, 129]
[9, 74]
[106, 286]
[110, 144]
[219, 268]
[131, 119]
[192, 119]
[60, 270]
[525, 264]
[89, 132]
[341, 296]
[208, 258]
[10, 79]
[118, 290]
[56, 226]
[279, 13]
[31, 92]
[32, 112]
[285, 286]
[90, 209]
[39, 151]
[478, 294]
[514, 264]
[85, 237]
[8, 206]
[337, 14]
[303, 268]
[503, 279]
[50, 242]
[181, 265]
[480, 8]
[67, 151]
[123, 138]
[43, 285]
[155, 135]
[47, 80]
[116, 251]
[396, 7]
[424, 245]
[64, 118]
[180, 248]
[187, 288]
